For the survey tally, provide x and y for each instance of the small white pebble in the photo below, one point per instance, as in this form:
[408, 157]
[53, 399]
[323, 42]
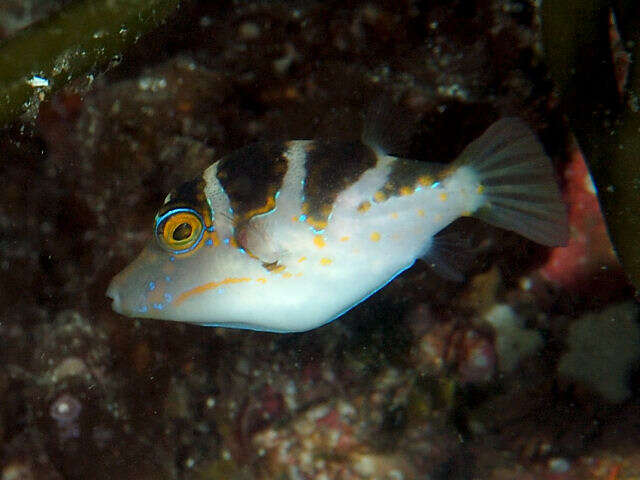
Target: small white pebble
[545, 448]
[248, 31]
[365, 465]
[282, 64]
[559, 465]
[152, 84]
[37, 81]
[396, 475]
[16, 471]
[525, 284]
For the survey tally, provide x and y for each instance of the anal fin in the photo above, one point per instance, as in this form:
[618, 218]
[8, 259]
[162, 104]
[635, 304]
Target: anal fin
[449, 255]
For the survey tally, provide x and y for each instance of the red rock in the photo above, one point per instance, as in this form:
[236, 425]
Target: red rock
[588, 258]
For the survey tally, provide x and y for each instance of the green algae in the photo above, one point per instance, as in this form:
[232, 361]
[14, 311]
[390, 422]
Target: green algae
[431, 396]
[419, 406]
[75, 42]
[576, 36]
[223, 469]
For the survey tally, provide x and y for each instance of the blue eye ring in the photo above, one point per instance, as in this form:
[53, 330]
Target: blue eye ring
[175, 219]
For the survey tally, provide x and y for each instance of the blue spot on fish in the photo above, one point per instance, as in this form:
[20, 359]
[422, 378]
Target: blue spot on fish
[167, 279]
[226, 240]
[208, 242]
[172, 258]
[143, 309]
[435, 184]
[158, 306]
[302, 218]
[151, 286]
[168, 297]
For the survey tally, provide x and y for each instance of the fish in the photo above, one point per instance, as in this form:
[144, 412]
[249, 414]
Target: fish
[288, 236]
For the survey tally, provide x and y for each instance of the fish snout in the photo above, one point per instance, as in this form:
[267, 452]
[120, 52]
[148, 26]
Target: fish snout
[113, 294]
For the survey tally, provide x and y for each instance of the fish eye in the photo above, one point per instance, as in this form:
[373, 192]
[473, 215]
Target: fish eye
[182, 232]
[179, 230]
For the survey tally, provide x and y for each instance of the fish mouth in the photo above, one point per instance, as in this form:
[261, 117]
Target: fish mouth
[113, 294]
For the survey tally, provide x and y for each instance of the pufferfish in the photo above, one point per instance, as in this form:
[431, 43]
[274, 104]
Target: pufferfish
[288, 236]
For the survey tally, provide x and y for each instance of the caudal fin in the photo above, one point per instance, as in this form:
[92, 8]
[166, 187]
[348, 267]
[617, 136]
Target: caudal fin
[517, 183]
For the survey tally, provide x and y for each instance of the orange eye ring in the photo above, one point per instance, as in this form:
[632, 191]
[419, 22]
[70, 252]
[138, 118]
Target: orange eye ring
[179, 230]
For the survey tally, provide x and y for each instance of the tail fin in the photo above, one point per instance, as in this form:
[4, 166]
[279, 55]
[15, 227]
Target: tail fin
[517, 181]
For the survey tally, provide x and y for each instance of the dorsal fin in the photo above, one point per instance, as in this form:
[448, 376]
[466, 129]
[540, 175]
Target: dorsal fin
[388, 127]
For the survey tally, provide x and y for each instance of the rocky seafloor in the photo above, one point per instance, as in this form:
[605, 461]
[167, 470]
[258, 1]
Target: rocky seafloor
[528, 369]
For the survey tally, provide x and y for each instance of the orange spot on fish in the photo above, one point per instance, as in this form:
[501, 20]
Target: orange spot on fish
[261, 280]
[379, 197]
[318, 241]
[425, 180]
[325, 261]
[443, 197]
[404, 191]
[375, 237]
[364, 206]
[344, 239]
[394, 215]
[302, 259]
[421, 213]
[317, 224]
[215, 239]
